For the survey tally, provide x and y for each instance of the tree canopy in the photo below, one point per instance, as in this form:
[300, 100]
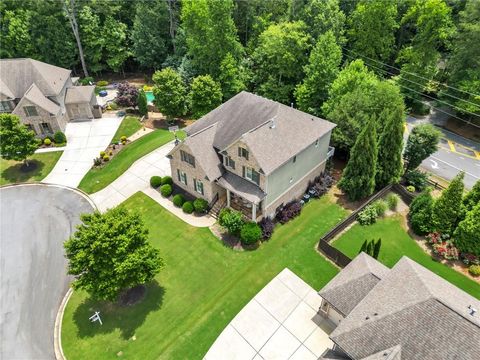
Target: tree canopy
[17, 142]
[447, 208]
[422, 142]
[205, 95]
[170, 92]
[466, 235]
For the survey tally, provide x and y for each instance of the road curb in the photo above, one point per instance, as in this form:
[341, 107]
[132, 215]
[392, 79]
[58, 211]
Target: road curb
[57, 334]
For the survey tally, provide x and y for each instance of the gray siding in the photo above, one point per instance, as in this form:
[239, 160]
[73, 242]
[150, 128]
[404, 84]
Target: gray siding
[290, 173]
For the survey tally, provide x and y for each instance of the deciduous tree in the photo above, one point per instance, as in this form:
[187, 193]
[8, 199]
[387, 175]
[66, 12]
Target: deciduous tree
[170, 92]
[422, 142]
[358, 178]
[447, 207]
[205, 95]
[231, 77]
[17, 142]
[322, 16]
[110, 252]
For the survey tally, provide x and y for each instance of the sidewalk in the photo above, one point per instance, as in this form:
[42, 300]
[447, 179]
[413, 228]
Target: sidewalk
[137, 178]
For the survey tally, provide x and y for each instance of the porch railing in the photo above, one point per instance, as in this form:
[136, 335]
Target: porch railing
[331, 151]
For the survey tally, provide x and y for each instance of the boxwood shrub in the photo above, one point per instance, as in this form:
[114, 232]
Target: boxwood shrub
[200, 205]
[178, 200]
[155, 181]
[59, 137]
[250, 233]
[166, 190]
[187, 205]
[167, 180]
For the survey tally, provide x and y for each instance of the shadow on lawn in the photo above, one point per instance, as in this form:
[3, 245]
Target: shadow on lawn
[20, 173]
[114, 316]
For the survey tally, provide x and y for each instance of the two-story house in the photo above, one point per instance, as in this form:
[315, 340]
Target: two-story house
[253, 153]
[45, 97]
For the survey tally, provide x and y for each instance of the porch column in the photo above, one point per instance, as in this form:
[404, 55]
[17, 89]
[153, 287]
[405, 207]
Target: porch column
[254, 212]
[228, 198]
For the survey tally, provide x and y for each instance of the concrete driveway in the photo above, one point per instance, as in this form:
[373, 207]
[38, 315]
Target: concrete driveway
[85, 140]
[280, 322]
[35, 220]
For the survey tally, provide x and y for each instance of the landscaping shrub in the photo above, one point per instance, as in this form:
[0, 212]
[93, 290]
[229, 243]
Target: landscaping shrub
[250, 233]
[416, 178]
[102, 83]
[289, 211]
[112, 106]
[178, 200]
[231, 220]
[267, 225]
[86, 80]
[200, 205]
[106, 158]
[155, 181]
[47, 141]
[411, 188]
[102, 154]
[322, 184]
[166, 190]
[474, 270]
[187, 206]
[97, 161]
[367, 216]
[420, 213]
[392, 201]
[167, 180]
[380, 207]
[59, 137]
[123, 138]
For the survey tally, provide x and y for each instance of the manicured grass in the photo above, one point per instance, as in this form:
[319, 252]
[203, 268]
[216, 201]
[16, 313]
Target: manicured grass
[129, 126]
[41, 164]
[98, 178]
[395, 243]
[202, 287]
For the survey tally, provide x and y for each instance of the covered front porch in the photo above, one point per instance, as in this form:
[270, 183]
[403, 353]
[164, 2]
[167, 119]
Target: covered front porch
[242, 195]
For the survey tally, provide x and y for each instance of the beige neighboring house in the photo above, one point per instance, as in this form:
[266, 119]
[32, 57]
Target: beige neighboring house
[45, 97]
[406, 312]
[252, 154]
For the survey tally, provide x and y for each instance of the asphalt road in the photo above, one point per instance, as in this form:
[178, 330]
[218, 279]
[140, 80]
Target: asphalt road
[34, 222]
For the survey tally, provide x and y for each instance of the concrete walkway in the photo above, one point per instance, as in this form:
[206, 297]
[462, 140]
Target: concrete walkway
[50, 149]
[280, 322]
[137, 178]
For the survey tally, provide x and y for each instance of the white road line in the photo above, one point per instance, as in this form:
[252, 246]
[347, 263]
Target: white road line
[453, 166]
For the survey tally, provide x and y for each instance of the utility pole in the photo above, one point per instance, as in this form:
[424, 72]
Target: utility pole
[71, 12]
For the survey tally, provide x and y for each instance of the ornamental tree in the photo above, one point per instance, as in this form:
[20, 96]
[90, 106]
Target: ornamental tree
[358, 178]
[142, 103]
[422, 142]
[127, 95]
[447, 208]
[467, 234]
[110, 252]
[170, 92]
[17, 142]
[205, 95]
[420, 213]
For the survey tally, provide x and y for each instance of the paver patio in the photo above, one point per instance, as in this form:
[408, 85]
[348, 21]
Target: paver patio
[280, 322]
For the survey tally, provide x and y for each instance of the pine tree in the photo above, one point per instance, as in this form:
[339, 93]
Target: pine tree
[447, 207]
[142, 103]
[358, 179]
[466, 235]
[471, 199]
[390, 147]
[364, 247]
[420, 214]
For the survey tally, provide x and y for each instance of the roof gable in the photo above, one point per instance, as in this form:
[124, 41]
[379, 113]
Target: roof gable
[35, 96]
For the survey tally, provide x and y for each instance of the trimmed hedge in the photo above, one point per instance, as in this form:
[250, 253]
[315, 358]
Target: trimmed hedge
[187, 206]
[166, 190]
[155, 181]
[200, 205]
[167, 180]
[178, 200]
[250, 233]
[59, 137]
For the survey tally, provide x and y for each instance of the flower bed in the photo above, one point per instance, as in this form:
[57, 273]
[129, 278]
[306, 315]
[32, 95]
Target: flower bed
[112, 150]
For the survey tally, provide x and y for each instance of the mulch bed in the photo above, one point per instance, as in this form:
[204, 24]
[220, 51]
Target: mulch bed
[228, 240]
[32, 165]
[132, 296]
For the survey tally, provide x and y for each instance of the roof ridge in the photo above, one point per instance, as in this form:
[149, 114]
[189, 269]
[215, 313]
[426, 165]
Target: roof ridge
[202, 130]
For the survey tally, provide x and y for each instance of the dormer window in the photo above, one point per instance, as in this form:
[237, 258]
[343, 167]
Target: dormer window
[186, 157]
[30, 110]
[242, 152]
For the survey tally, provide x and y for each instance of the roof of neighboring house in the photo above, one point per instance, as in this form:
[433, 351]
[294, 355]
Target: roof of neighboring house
[416, 310]
[19, 74]
[353, 283]
[79, 94]
[242, 187]
[35, 96]
[265, 126]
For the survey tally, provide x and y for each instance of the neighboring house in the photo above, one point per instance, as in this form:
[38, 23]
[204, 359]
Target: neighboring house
[44, 96]
[406, 312]
[252, 153]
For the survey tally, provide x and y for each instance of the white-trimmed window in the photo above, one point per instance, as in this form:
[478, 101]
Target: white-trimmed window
[182, 177]
[242, 152]
[30, 110]
[198, 186]
[230, 162]
[251, 174]
[186, 157]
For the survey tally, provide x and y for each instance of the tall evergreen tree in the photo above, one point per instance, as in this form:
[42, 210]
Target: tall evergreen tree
[420, 213]
[472, 198]
[390, 147]
[320, 72]
[142, 103]
[358, 178]
[447, 207]
[466, 235]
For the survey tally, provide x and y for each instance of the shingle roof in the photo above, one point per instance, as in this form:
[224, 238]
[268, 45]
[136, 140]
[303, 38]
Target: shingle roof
[34, 95]
[250, 117]
[353, 283]
[393, 353]
[242, 187]
[19, 74]
[411, 307]
[79, 94]
[4, 89]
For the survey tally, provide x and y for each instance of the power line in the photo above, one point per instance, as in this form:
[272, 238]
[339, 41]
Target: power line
[423, 94]
[410, 73]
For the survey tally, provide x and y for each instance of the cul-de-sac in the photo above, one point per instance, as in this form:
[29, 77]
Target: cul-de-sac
[240, 179]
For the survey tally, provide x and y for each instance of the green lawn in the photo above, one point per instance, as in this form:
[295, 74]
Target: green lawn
[41, 164]
[129, 126]
[97, 179]
[396, 243]
[203, 286]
